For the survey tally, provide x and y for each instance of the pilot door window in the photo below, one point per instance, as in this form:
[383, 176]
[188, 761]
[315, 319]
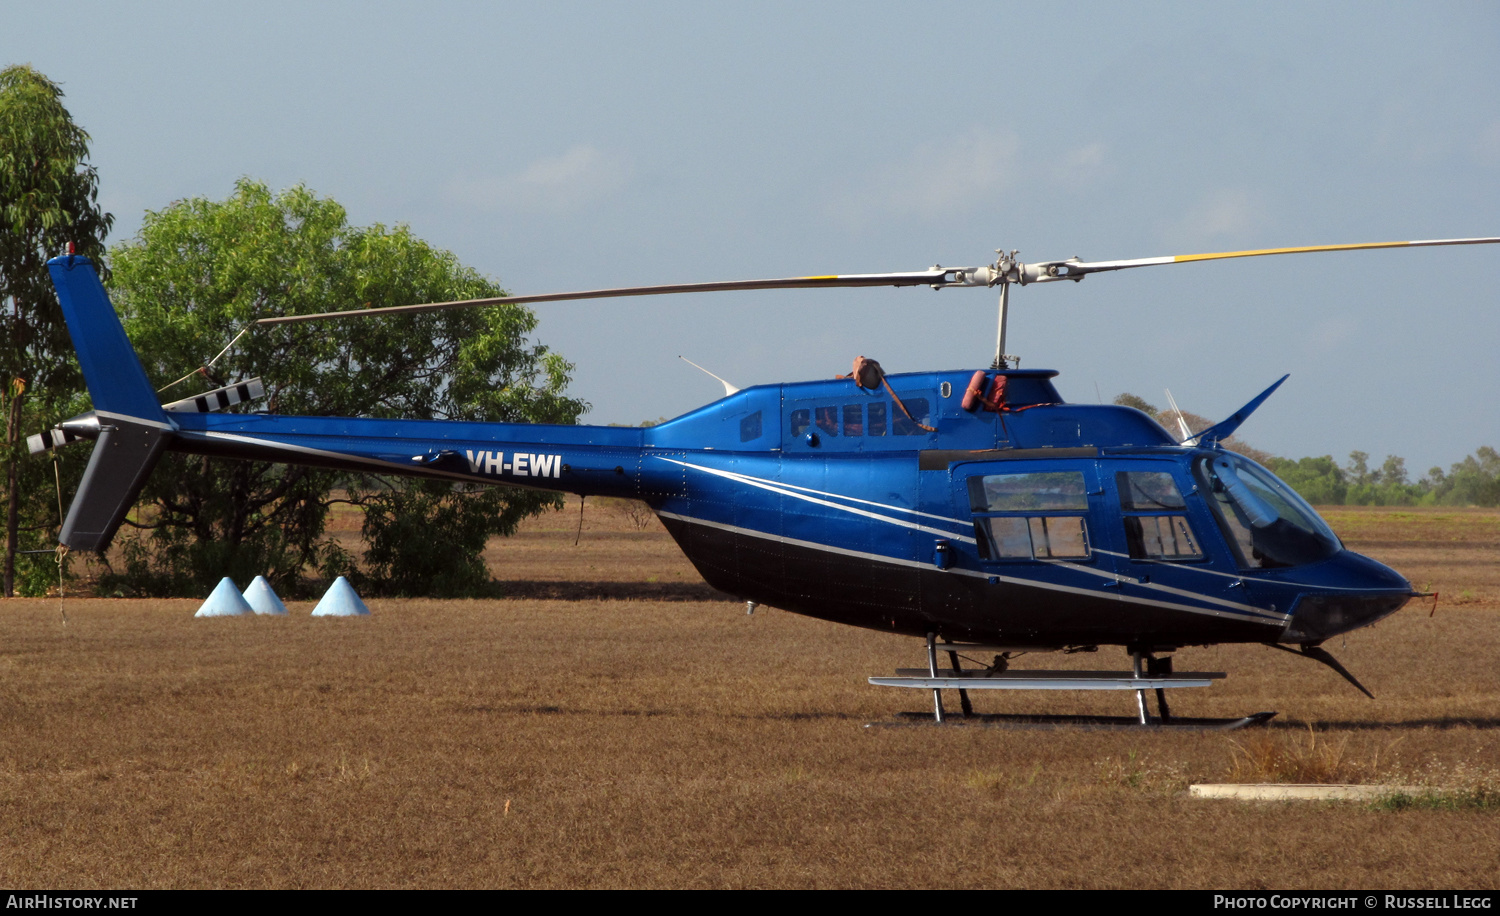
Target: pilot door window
[1155, 517]
[1039, 516]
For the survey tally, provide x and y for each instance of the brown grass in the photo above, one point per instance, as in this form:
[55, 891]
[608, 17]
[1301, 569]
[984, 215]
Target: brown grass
[676, 742]
[1289, 757]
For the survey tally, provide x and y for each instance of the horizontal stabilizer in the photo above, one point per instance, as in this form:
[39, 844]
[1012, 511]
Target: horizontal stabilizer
[123, 457]
[219, 399]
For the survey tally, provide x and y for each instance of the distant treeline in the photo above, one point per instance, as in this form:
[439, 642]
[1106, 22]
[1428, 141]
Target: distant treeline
[1474, 481]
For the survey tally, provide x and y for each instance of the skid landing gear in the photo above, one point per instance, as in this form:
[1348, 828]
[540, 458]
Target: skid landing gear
[1143, 665]
[1147, 673]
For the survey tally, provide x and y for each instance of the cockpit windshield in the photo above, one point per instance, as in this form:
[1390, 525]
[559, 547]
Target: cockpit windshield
[1267, 523]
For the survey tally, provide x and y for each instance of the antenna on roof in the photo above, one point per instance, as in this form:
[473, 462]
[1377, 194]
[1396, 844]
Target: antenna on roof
[728, 388]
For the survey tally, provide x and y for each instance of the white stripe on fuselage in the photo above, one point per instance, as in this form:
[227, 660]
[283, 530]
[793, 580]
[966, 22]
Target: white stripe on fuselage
[1157, 586]
[1236, 576]
[853, 499]
[790, 490]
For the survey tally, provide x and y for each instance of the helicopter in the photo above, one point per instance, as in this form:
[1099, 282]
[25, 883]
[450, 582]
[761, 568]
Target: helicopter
[974, 508]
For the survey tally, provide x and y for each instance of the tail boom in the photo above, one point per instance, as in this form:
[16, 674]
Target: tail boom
[574, 459]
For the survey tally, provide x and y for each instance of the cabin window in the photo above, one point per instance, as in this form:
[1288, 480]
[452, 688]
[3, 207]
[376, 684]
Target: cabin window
[1043, 520]
[1161, 537]
[854, 420]
[1147, 499]
[1058, 536]
[827, 419]
[1036, 537]
[1148, 491]
[877, 418]
[801, 420]
[750, 427]
[1007, 537]
[920, 411]
[1053, 491]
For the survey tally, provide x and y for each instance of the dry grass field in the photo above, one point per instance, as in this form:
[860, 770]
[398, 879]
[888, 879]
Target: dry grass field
[616, 723]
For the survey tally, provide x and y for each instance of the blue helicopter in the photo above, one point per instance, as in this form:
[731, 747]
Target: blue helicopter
[976, 508]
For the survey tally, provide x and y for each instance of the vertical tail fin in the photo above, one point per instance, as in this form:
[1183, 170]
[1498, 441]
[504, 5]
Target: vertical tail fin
[116, 381]
[134, 428]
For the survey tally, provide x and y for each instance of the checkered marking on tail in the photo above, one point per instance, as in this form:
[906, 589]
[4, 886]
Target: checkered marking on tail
[521, 464]
[219, 398]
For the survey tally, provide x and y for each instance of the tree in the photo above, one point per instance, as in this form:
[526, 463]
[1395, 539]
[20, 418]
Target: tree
[1139, 403]
[1393, 471]
[1320, 481]
[200, 271]
[48, 198]
[1475, 481]
[1386, 485]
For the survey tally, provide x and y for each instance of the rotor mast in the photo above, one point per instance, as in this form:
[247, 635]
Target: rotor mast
[1001, 359]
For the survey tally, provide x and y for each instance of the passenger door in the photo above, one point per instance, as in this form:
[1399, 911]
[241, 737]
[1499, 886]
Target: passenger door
[1044, 520]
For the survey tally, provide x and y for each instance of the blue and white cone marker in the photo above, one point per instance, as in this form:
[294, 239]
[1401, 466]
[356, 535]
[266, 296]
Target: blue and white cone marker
[340, 601]
[262, 599]
[225, 601]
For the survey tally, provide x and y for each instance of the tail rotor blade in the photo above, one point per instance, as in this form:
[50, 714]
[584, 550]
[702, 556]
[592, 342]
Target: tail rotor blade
[46, 441]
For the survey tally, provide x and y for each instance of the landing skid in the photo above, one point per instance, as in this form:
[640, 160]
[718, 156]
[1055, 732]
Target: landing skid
[1087, 723]
[1148, 673]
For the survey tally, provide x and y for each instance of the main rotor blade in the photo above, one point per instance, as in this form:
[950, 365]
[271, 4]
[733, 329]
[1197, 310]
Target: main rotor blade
[936, 276]
[1006, 270]
[1088, 267]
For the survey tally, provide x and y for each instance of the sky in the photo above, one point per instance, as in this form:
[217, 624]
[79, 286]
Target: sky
[565, 146]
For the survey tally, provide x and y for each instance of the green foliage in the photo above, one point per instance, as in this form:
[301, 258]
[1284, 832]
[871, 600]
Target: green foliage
[200, 271]
[1475, 481]
[48, 198]
[1383, 486]
[405, 559]
[1319, 480]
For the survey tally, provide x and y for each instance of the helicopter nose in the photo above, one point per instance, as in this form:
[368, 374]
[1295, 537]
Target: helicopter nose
[1355, 592]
